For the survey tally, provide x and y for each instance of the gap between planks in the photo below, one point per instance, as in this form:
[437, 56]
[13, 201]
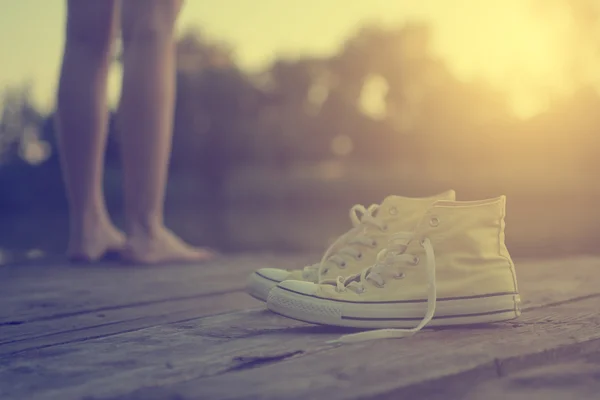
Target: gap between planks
[40, 292]
[90, 326]
[404, 368]
[255, 354]
[537, 279]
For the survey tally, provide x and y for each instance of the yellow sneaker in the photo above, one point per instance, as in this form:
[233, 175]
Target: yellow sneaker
[470, 279]
[356, 249]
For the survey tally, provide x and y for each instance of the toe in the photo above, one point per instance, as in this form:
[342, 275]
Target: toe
[273, 274]
[301, 287]
[204, 254]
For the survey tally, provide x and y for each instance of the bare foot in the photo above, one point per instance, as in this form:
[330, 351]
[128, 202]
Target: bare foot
[91, 243]
[163, 246]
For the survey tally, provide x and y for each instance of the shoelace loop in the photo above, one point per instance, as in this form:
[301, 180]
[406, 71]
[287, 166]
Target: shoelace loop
[390, 257]
[346, 245]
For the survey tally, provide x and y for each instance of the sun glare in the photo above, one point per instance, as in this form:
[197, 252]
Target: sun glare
[372, 99]
[534, 50]
[525, 48]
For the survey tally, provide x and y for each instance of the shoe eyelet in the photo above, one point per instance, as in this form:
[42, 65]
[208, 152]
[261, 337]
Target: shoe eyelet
[385, 228]
[393, 211]
[325, 271]
[434, 221]
[359, 256]
[416, 260]
[399, 275]
[422, 242]
[374, 243]
[343, 265]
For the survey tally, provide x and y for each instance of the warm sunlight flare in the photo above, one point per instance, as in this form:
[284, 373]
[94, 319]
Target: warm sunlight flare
[536, 50]
[549, 51]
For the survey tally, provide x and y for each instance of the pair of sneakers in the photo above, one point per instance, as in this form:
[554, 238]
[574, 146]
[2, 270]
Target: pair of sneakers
[406, 263]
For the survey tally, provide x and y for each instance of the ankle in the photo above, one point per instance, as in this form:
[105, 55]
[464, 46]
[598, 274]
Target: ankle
[148, 228]
[87, 220]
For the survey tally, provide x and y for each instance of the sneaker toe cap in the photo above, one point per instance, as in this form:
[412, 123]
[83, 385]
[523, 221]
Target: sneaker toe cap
[274, 274]
[302, 287]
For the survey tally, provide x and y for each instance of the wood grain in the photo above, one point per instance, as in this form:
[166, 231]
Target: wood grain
[276, 359]
[163, 333]
[37, 335]
[392, 369]
[41, 292]
[130, 299]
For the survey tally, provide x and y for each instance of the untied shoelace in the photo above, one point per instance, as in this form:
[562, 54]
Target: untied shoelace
[390, 257]
[361, 217]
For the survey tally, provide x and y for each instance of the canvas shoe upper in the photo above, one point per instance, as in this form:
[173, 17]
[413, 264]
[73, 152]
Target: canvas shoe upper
[453, 269]
[356, 249]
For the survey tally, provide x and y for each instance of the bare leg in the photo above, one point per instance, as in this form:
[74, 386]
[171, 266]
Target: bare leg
[82, 117]
[146, 118]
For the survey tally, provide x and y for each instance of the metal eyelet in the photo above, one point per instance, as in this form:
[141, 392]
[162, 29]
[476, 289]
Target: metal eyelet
[374, 243]
[384, 228]
[393, 211]
[343, 265]
[359, 256]
[399, 275]
[416, 260]
[434, 221]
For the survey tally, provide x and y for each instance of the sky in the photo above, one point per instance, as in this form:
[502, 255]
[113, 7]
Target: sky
[522, 46]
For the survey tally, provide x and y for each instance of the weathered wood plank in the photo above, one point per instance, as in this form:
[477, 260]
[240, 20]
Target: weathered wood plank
[184, 352]
[538, 283]
[577, 379]
[32, 293]
[392, 369]
[35, 292]
[571, 376]
[39, 292]
[48, 333]
[276, 359]
[541, 283]
[127, 293]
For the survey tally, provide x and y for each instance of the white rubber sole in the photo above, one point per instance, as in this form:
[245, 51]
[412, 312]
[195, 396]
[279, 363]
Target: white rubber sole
[259, 286]
[449, 311]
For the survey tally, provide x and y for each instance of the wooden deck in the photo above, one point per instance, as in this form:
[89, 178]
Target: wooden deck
[108, 332]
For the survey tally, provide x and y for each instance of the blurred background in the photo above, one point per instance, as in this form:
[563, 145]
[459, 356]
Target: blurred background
[289, 112]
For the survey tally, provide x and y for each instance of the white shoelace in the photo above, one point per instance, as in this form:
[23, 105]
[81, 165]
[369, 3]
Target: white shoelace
[387, 259]
[346, 245]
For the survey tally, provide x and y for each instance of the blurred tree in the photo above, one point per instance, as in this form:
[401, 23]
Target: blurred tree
[19, 121]
[217, 103]
[217, 109]
[385, 101]
[29, 169]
